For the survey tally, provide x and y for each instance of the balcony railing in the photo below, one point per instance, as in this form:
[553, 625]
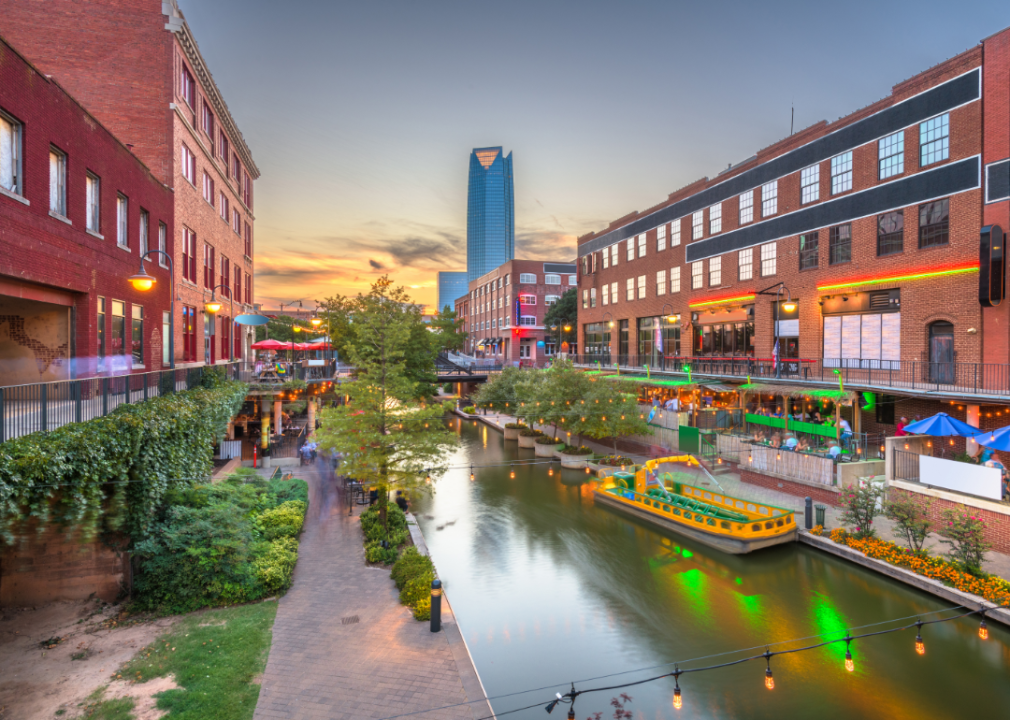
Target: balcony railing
[954, 378]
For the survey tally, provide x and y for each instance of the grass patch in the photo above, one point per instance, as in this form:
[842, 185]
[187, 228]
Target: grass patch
[214, 656]
[97, 709]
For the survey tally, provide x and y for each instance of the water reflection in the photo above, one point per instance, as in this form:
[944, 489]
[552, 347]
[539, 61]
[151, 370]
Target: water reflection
[549, 588]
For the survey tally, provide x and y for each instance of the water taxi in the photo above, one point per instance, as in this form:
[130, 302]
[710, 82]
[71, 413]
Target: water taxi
[662, 493]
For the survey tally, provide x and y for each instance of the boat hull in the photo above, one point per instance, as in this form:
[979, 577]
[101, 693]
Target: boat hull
[723, 543]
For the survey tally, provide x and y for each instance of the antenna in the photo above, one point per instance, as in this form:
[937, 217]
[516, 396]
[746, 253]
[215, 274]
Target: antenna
[792, 117]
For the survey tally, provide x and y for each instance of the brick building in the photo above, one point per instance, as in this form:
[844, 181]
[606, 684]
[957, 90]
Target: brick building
[505, 308]
[872, 225]
[77, 209]
[135, 65]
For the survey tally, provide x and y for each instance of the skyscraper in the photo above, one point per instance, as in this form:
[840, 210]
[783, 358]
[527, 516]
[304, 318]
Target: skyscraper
[490, 212]
[451, 285]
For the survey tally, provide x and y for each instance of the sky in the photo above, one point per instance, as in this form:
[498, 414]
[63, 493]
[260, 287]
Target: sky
[361, 115]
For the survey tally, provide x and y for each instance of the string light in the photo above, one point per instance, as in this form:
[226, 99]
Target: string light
[678, 703]
[512, 473]
[920, 646]
[587, 469]
[769, 680]
[849, 665]
[983, 631]
[550, 471]
[471, 474]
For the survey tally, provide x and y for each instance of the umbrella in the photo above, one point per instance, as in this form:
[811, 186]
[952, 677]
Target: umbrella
[995, 439]
[319, 345]
[942, 425]
[270, 344]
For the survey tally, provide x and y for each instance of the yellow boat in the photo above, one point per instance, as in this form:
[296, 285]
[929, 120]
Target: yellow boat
[659, 493]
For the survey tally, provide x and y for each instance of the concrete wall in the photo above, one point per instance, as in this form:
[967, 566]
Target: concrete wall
[34, 341]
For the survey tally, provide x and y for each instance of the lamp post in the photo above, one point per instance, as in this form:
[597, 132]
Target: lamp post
[144, 282]
[788, 306]
[213, 307]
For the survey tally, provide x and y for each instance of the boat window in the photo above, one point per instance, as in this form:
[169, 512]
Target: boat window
[707, 496]
[717, 498]
[676, 511]
[666, 508]
[710, 521]
[687, 515]
[740, 505]
[764, 511]
[755, 528]
[725, 525]
[751, 508]
[699, 518]
[769, 526]
[779, 523]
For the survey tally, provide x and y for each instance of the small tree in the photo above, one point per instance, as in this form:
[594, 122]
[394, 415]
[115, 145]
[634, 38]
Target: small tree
[910, 520]
[860, 507]
[965, 533]
[447, 328]
[564, 311]
[501, 392]
[613, 411]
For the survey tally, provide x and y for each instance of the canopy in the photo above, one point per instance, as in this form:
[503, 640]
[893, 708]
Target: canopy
[942, 425]
[798, 391]
[252, 319]
[995, 439]
[319, 345]
[271, 344]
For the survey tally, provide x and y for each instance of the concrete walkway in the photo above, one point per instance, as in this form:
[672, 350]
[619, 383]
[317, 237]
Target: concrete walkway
[344, 647]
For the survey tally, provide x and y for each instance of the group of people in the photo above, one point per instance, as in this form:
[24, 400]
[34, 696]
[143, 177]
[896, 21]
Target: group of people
[789, 441]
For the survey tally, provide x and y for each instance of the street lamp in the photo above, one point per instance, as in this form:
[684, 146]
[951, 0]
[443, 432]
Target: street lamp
[144, 282]
[213, 307]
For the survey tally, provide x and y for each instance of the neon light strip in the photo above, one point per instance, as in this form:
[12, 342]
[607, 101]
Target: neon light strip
[898, 278]
[740, 298]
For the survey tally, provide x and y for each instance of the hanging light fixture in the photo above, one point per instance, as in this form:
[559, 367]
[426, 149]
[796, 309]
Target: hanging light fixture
[471, 473]
[678, 703]
[849, 665]
[427, 478]
[920, 646]
[512, 473]
[587, 469]
[769, 680]
[983, 631]
[550, 471]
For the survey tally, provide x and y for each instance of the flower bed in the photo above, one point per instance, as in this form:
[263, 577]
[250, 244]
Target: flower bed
[994, 589]
[615, 461]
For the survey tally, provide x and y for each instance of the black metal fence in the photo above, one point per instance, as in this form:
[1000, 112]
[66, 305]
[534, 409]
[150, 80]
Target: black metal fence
[905, 465]
[289, 445]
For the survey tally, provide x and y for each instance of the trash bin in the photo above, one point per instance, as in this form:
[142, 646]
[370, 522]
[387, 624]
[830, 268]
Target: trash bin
[819, 515]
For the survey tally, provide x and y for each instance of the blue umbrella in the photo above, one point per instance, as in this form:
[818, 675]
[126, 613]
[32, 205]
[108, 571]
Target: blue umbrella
[995, 439]
[942, 425]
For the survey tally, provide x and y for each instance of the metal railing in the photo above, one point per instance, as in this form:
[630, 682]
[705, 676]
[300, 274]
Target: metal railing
[30, 408]
[983, 379]
[289, 445]
[905, 465]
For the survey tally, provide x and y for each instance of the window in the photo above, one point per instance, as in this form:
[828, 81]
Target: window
[188, 333]
[630, 290]
[934, 140]
[841, 173]
[118, 336]
[698, 225]
[715, 219]
[100, 327]
[810, 184]
[675, 233]
[768, 257]
[891, 155]
[613, 293]
[863, 340]
[548, 300]
[208, 188]
[660, 282]
[715, 272]
[94, 201]
[527, 320]
[674, 280]
[770, 198]
[494, 323]
[208, 124]
[189, 255]
[122, 218]
[236, 168]
[225, 274]
[57, 182]
[246, 189]
[236, 222]
[840, 244]
[890, 233]
[248, 240]
[641, 245]
[697, 275]
[549, 279]
[137, 335]
[641, 287]
[145, 226]
[808, 251]
[527, 299]
[248, 289]
[747, 207]
[585, 299]
[661, 238]
[10, 155]
[224, 149]
[224, 206]
[592, 297]
[162, 244]
[527, 278]
[572, 280]
[237, 289]
[606, 258]
[631, 249]
[208, 266]
[613, 255]
[188, 165]
[187, 87]
[745, 264]
[606, 294]
[934, 223]
[585, 264]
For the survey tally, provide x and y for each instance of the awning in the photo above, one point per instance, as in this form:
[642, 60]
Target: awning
[797, 391]
[720, 387]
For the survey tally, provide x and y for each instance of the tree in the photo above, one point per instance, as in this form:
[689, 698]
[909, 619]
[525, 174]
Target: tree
[910, 520]
[564, 311]
[551, 393]
[613, 411]
[502, 392]
[860, 506]
[389, 434]
[336, 313]
[447, 327]
[278, 328]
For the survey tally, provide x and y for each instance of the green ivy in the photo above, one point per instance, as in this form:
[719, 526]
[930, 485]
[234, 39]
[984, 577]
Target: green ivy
[112, 473]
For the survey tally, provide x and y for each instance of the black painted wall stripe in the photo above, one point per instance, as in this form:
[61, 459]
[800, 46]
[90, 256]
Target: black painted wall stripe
[942, 182]
[997, 181]
[560, 268]
[934, 101]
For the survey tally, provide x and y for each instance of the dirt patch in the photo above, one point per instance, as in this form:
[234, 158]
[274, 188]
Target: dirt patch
[55, 656]
[143, 695]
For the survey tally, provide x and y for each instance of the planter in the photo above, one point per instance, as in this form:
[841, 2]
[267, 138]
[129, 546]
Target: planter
[608, 470]
[512, 433]
[575, 462]
[545, 450]
[528, 441]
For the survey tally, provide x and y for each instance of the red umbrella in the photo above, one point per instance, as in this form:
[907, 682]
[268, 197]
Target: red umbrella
[270, 344]
[319, 345]
[302, 346]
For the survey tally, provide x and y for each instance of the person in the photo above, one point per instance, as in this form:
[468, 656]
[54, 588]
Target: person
[846, 431]
[401, 500]
[790, 442]
[834, 451]
[776, 440]
[655, 401]
[802, 445]
[817, 417]
[900, 429]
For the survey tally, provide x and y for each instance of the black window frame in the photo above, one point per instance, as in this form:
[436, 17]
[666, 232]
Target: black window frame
[893, 242]
[935, 234]
[809, 255]
[837, 244]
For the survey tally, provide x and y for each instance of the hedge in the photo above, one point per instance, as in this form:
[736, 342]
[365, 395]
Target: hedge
[112, 473]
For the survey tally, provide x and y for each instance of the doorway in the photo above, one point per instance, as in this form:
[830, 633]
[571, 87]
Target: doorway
[941, 353]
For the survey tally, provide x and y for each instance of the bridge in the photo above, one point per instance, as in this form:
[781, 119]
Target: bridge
[460, 369]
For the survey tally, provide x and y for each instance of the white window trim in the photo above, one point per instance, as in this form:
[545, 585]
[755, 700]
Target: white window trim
[715, 219]
[698, 225]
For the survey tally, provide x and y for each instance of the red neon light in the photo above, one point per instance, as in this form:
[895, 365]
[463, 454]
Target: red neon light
[908, 275]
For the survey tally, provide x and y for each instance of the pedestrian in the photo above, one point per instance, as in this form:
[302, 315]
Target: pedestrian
[401, 501]
[900, 430]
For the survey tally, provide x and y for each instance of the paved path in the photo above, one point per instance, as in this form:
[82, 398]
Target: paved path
[382, 664]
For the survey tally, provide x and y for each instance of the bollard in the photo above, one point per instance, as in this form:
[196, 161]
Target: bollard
[819, 511]
[436, 605]
[808, 513]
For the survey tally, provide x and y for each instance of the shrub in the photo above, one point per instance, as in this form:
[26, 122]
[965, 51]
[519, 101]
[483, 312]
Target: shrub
[860, 507]
[547, 440]
[413, 574]
[964, 533]
[910, 520]
[375, 533]
[615, 461]
[285, 520]
[275, 563]
[530, 432]
[410, 564]
[470, 410]
[515, 425]
[447, 388]
[573, 450]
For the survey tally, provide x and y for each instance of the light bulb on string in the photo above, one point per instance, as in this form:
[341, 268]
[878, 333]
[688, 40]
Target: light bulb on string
[983, 631]
[678, 703]
[920, 646]
[587, 469]
[512, 473]
[427, 478]
[849, 664]
[769, 680]
[550, 471]
[471, 473]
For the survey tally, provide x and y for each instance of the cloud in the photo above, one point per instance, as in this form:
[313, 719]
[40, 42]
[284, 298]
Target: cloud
[376, 265]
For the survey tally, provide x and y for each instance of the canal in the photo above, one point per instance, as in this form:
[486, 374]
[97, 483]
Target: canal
[549, 588]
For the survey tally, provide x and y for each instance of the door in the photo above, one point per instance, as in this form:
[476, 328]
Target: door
[790, 347]
[941, 353]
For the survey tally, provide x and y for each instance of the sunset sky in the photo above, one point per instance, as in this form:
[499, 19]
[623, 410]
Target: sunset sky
[361, 116]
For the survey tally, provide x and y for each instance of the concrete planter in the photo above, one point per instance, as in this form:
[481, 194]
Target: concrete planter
[512, 433]
[546, 450]
[575, 462]
[608, 470]
[528, 441]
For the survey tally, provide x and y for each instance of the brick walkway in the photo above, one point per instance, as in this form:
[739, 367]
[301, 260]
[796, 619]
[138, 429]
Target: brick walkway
[382, 664]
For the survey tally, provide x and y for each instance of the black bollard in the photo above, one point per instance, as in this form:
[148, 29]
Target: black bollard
[808, 513]
[436, 605]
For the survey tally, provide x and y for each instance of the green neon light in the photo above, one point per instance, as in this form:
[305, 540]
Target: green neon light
[898, 278]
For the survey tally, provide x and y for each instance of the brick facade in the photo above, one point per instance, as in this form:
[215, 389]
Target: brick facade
[130, 63]
[53, 270]
[997, 531]
[818, 495]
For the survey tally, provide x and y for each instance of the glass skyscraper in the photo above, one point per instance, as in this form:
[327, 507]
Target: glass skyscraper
[451, 285]
[490, 212]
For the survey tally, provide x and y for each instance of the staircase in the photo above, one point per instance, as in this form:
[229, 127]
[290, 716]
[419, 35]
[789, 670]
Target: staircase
[709, 456]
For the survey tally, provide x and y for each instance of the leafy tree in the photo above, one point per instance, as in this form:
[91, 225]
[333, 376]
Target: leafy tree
[502, 392]
[965, 534]
[613, 412]
[389, 434]
[553, 392]
[564, 311]
[910, 520]
[336, 313]
[278, 328]
[860, 506]
[446, 327]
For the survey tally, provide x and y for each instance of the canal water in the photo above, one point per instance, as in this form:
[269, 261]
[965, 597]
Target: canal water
[549, 588]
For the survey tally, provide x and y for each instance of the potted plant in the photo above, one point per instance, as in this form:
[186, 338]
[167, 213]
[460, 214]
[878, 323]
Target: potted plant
[512, 430]
[574, 457]
[545, 445]
[609, 464]
[528, 437]
[469, 410]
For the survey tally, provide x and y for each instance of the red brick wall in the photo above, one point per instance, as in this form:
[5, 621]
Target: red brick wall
[997, 530]
[790, 488]
[41, 251]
